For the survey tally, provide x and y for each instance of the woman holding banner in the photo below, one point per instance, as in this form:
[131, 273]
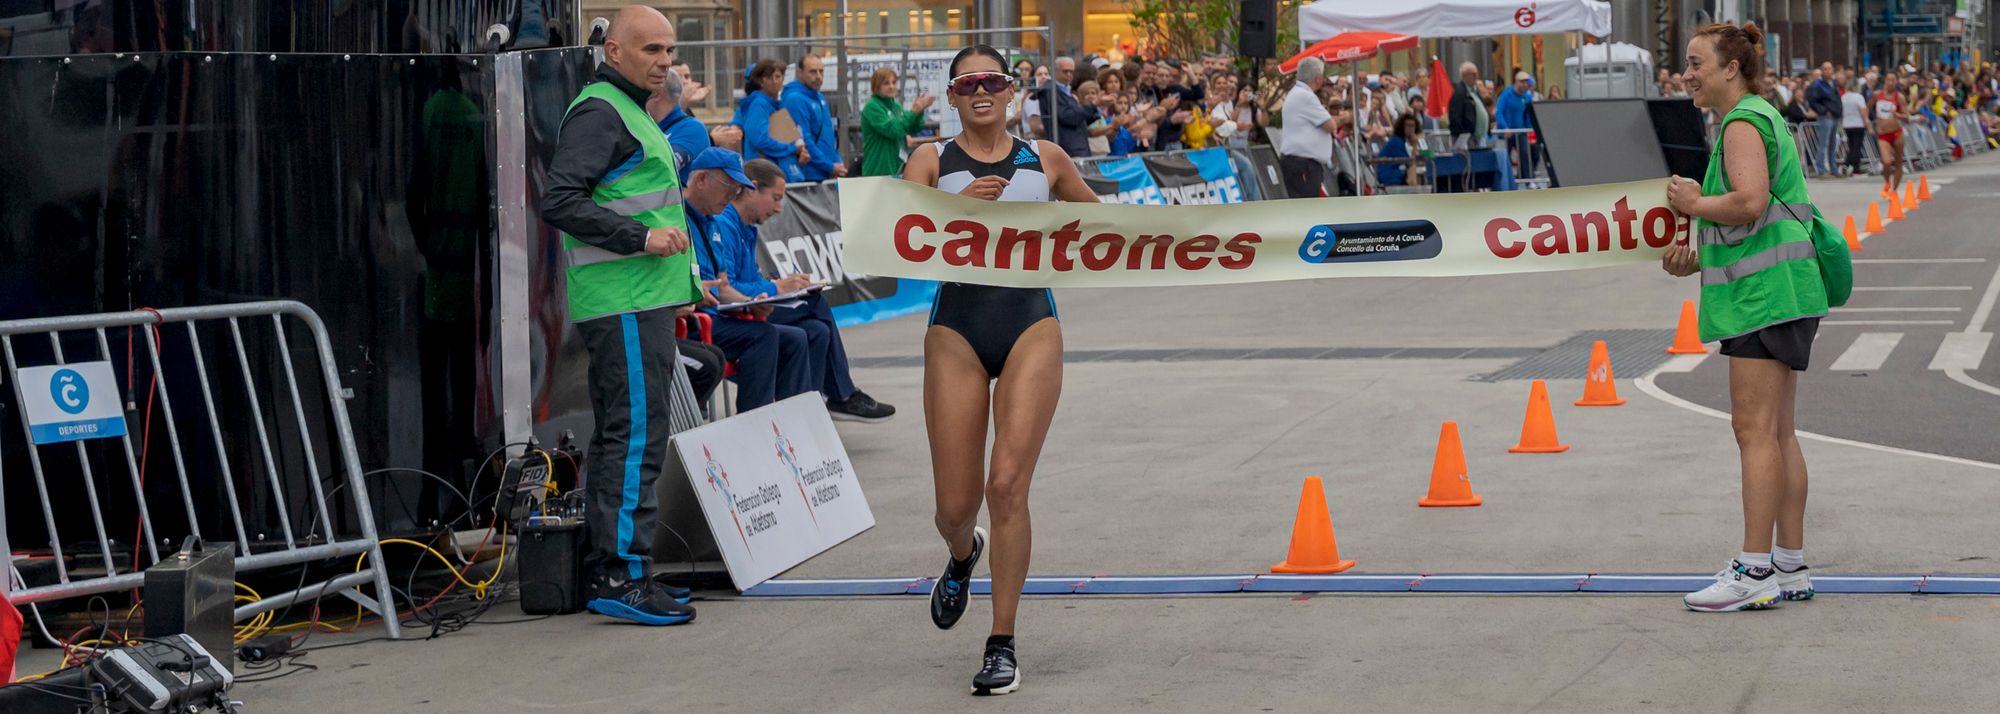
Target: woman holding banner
[980, 334]
[1762, 297]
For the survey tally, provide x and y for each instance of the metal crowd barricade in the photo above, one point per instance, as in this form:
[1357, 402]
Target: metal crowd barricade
[1971, 134]
[1527, 173]
[1971, 139]
[180, 353]
[1807, 137]
[1803, 141]
[1871, 153]
[1926, 153]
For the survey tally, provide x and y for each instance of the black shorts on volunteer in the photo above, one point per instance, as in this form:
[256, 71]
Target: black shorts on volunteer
[1788, 342]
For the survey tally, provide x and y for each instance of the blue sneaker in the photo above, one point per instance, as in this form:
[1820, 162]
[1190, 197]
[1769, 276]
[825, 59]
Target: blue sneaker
[640, 601]
[952, 591]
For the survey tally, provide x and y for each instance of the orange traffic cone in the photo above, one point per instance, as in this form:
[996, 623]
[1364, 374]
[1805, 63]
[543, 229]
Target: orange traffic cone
[1910, 201]
[1598, 388]
[1538, 428]
[1687, 339]
[1313, 549]
[1895, 207]
[1853, 239]
[1874, 217]
[1924, 187]
[1450, 485]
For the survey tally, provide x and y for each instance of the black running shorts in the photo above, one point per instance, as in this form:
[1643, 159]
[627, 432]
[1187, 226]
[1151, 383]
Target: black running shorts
[1787, 342]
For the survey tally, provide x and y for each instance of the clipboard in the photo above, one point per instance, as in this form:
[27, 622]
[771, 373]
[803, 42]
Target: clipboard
[782, 298]
[783, 128]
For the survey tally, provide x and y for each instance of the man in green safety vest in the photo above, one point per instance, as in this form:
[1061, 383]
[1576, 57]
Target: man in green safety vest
[613, 192]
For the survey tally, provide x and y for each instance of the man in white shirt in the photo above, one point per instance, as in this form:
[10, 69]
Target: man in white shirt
[1305, 142]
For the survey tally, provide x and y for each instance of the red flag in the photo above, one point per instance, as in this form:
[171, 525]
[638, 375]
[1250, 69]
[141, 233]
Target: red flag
[10, 638]
[1437, 98]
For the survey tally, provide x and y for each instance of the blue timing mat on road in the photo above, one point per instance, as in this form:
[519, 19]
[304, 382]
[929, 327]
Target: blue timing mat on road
[1477, 583]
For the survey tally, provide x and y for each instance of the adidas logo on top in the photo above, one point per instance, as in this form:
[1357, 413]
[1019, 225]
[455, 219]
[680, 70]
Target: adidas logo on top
[1024, 156]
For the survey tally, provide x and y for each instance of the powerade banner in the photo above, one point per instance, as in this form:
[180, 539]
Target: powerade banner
[903, 229]
[1135, 184]
[805, 238]
[1204, 177]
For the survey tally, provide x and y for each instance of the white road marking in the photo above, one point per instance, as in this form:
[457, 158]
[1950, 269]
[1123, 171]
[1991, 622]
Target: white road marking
[1973, 327]
[1682, 364]
[1646, 385]
[1868, 352]
[1687, 363]
[1985, 305]
[1959, 376]
[1962, 350]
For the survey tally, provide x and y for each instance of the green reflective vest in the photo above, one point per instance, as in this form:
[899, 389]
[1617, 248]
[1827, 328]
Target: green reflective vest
[1766, 271]
[605, 283]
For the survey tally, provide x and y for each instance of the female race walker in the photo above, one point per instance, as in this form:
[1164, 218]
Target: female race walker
[1889, 117]
[980, 334]
[1762, 297]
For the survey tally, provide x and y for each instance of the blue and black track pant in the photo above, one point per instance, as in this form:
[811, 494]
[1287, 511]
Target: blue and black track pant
[631, 358]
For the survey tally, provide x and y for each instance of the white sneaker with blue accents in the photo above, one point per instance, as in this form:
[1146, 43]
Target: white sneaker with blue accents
[1736, 588]
[1795, 585]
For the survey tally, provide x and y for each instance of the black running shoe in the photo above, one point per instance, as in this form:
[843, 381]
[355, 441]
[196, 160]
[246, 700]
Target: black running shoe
[998, 675]
[679, 594]
[951, 591]
[860, 407]
[641, 601]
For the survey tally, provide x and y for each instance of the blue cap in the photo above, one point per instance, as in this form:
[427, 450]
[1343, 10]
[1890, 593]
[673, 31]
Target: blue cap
[716, 157]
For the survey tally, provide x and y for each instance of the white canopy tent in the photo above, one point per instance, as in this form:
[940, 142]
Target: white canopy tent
[1454, 18]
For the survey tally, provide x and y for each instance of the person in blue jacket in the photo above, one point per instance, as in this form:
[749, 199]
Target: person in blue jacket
[809, 110]
[736, 254]
[686, 134]
[753, 114]
[770, 358]
[1510, 111]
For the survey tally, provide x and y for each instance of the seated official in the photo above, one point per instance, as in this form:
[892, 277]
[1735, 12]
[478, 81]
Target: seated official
[736, 255]
[771, 359]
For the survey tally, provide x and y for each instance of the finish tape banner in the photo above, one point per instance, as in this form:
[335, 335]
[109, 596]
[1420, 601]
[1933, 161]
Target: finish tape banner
[898, 228]
[805, 238]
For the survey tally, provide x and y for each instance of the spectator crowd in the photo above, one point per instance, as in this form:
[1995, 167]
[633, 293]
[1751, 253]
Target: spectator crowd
[1093, 106]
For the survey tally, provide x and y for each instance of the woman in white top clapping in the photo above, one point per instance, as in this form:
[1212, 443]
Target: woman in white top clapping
[1854, 122]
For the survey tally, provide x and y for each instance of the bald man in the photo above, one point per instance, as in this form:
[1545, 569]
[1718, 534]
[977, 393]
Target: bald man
[614, 192]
